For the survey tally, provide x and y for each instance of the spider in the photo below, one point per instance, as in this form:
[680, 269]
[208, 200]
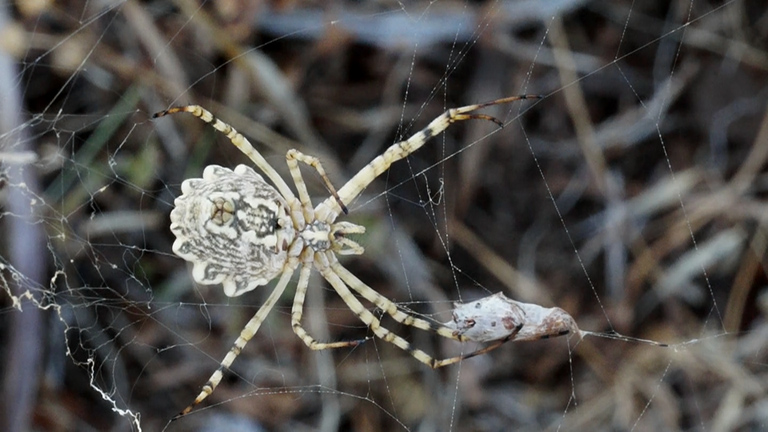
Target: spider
[240, 232]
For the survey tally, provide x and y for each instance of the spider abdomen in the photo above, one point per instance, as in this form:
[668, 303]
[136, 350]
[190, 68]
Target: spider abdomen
[233, 227]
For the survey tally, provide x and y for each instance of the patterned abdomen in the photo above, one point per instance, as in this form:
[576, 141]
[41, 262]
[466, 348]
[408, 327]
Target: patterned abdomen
[233, 227]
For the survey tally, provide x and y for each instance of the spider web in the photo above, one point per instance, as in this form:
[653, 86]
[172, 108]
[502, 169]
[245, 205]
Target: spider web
[630, 196]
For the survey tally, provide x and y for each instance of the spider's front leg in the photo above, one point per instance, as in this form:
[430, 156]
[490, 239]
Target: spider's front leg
[322, 264]
[481, 351]
[402, 149]
[390, 307]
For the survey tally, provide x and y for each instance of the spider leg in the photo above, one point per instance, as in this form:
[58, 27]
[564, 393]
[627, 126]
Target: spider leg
[297, 311]
[293, 157]
[246, 334]
[486, 349]
[400, 150]
[322, 264]
[389, 306]
[383, 303]
[239, 141]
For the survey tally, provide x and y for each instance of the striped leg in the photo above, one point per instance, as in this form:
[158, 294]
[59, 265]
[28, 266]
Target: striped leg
[389, 306]
[365, 315]
[297, 311]
[339, 278]
[400, 150]
[484, 350]
[293, 157]
[238, 140]
[245, 335]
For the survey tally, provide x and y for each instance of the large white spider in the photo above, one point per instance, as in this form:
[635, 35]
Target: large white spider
[240, 232]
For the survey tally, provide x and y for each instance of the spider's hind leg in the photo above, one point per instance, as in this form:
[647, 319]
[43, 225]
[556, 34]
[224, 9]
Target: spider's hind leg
[246, 335]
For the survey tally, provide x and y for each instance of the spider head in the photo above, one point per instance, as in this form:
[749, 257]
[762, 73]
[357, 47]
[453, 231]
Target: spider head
[343, 245]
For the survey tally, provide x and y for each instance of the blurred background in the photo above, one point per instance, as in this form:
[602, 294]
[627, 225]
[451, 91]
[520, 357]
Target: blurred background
[631, 195]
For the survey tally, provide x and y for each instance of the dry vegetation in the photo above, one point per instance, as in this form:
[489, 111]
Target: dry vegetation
[652, 141]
